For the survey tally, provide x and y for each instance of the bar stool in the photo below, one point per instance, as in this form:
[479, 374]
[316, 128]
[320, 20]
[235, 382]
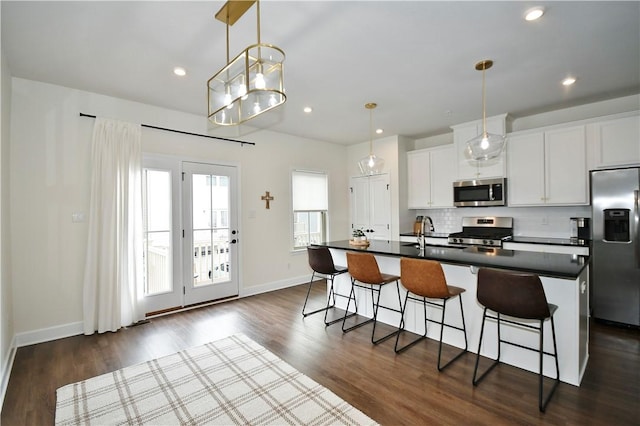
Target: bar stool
[365, 273]
[520, 296]
[425, 279]
[321, 262]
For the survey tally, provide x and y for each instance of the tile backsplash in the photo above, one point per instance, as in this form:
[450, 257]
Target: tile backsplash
[548, 222]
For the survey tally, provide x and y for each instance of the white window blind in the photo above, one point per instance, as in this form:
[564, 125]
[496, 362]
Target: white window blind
[309, 191]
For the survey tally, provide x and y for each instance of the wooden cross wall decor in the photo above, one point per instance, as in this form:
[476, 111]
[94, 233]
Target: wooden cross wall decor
[267, 197]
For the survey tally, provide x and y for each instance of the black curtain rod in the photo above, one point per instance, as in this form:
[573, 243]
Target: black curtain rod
[183, 132]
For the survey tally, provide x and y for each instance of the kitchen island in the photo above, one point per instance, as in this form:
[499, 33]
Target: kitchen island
[565, 281]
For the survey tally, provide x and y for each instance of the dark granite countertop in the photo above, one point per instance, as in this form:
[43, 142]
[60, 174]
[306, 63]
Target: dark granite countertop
[546, 264]
[551, 241]
[427, 234]
[520, 239]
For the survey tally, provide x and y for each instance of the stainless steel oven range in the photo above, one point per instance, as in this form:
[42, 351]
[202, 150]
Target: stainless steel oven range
[485, 231]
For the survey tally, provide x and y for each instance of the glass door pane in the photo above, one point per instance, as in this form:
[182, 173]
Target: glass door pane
[157, 232]
[210, 229]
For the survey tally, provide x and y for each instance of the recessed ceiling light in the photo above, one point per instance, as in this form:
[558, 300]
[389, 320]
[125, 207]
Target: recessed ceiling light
[568, 81]
[379, 131]
[180, 71]
[308, 109]
[533, 14]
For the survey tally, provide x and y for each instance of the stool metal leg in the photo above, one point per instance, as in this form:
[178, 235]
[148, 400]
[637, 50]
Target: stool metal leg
[331, 303]
[331, 297]
[543, 403]
[375, 316]
[346, 312]
[464, 330]
[401, 327]
[305, 314]
[495, 362]
[331, 300]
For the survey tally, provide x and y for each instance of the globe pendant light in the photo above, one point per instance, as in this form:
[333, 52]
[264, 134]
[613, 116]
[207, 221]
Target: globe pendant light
[371, 165]
[486, 145]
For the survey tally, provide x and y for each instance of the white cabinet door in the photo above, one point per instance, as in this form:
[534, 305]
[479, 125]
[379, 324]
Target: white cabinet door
[526, 180]
[566, 166]
[471, 169]
[443, 172]
[430, 174]
[360, 203]
[418, 181]
[371, 206]
[548, 168]
[616, 141]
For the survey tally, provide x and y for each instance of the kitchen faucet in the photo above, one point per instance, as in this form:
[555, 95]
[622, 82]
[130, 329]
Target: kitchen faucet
[421, 235]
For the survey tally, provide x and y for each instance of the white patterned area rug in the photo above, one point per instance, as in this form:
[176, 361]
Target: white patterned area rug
[229, 381]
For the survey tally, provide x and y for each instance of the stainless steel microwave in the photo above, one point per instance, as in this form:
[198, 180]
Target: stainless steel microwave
[480, 192]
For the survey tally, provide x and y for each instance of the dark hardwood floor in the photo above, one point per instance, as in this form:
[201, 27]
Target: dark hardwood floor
[392, 389]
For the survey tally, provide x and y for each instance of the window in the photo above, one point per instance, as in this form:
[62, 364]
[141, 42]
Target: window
[310, 205]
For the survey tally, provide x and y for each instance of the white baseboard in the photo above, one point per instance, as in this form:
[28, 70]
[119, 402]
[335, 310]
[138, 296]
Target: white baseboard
[6, 371]
[48, 334]
[272, 286]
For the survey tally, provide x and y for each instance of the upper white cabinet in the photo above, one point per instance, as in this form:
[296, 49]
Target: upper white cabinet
[471, 169]
[548, 167]
[371, 206]
[431, 173]
[615, 141]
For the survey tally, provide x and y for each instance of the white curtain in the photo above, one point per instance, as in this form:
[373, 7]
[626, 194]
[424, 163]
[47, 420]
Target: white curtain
[113, 280]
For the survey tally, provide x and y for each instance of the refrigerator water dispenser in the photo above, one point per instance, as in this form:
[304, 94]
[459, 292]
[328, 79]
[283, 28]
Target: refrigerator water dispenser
[616, 225]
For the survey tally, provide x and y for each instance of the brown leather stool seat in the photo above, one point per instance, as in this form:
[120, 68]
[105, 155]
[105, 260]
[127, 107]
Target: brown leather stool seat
[520, 296]
[425, 279]
[321, 262]
[366, 274]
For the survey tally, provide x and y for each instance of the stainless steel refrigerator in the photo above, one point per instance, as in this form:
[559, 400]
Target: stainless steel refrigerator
[615, 255]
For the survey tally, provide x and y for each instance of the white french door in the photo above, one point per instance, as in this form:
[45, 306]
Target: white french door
[162, 233]
[190, 232]
[210, 264]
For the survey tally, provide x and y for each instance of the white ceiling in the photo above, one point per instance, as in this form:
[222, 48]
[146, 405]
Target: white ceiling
[414, 58]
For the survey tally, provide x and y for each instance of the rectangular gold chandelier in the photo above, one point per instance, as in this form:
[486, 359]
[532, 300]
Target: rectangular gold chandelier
[250, 84]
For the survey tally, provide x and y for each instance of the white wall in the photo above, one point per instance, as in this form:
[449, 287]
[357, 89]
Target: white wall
[50, 147]
[6, 307]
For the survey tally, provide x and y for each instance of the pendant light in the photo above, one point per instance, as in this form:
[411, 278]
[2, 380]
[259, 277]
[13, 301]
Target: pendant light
[250, 84]
[486, 145]
[371, 165]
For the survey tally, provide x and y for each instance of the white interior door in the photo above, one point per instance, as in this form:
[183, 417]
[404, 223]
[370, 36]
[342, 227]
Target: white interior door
[210, 226]
[359, 193]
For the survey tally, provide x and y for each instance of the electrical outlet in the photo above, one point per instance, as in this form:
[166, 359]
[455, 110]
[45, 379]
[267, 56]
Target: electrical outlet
[77, 217]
